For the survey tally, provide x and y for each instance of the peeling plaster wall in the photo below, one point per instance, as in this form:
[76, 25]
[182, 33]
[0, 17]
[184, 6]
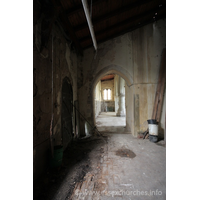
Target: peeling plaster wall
[136, 57]
[64, 65]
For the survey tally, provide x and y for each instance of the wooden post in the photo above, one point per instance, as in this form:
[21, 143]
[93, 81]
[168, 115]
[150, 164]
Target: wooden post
[160, 88]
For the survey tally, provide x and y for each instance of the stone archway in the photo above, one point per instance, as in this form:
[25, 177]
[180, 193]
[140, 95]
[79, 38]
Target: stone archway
[115, 69]
[129, 81]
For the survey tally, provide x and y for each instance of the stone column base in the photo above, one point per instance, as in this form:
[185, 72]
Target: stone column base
[120, 114]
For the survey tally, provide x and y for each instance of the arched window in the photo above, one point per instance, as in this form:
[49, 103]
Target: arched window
[107, 94]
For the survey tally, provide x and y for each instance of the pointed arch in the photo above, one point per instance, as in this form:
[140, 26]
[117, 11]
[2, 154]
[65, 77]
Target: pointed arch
[115, 69]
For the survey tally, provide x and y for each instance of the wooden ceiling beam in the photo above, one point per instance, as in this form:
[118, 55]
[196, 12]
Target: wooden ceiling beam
[79, 8]
[112, 14]
[143, 23]
[125, 22]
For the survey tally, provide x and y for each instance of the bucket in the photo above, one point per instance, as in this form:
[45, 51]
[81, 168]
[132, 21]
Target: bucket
[56, 161]
[152, 121]
[153, 130]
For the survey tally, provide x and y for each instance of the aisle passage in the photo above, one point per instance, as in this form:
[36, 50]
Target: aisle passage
[109, 122]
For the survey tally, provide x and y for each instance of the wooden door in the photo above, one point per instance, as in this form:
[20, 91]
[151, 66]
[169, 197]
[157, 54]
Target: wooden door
[67, 113]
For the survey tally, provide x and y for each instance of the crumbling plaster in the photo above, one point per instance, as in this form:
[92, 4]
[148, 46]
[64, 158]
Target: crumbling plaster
[62, 64]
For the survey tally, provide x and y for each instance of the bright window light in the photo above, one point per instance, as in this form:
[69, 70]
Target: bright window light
[107, 94]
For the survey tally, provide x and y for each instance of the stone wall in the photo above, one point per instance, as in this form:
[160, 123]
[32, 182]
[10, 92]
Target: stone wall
[98, 109]
[136, 57]
[108, 106]
[51, 64]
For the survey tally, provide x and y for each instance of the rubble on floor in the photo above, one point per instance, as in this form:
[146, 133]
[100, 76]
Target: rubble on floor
[115, 166]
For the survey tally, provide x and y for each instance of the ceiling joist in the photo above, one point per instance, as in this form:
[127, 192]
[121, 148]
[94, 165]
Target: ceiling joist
[128, 21]
[109, 18]
[114, 35]
[114, 13]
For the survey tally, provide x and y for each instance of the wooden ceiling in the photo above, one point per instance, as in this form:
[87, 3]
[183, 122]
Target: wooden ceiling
[108, 77]
[110, 18]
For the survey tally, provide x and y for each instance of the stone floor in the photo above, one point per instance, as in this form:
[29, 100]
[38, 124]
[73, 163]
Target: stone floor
[128, 168]
[114, 166]
[109, 122]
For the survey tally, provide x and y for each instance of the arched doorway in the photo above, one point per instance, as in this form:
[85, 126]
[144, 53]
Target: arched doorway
[109, 104]
[67, 113]
[115, 69]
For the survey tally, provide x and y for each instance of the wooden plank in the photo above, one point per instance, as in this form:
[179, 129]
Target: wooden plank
[160, 88]
[123, 31]
[79, 8]
[114, 13]
[145, 134]
[161, 95]
[124, 23]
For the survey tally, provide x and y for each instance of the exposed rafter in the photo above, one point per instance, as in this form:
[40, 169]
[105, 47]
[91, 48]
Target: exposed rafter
[109, 18]
[143, 23]
[113, 14]
[79, 8]
[128, 21]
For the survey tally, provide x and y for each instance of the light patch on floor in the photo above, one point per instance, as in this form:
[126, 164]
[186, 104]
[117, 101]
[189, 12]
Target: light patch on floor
[109, 122]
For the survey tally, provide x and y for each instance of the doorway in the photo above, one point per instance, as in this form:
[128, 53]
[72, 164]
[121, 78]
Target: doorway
[67, 113]
[109, 103]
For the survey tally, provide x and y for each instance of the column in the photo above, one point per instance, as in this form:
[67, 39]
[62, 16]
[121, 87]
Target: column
[116, 81]
[121, 92]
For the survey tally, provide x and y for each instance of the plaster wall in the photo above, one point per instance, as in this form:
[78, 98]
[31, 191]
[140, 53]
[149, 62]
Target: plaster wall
[135, 56]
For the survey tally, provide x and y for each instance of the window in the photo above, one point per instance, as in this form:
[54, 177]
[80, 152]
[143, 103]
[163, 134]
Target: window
[107, 94]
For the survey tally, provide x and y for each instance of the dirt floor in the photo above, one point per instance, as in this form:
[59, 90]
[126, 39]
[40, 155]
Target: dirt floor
[76, 163]
[115, 166]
